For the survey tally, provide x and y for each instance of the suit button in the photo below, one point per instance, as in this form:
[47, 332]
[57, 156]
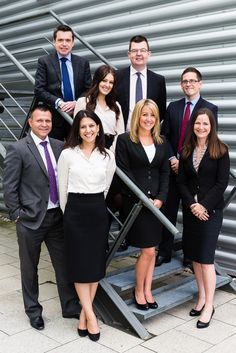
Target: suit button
[149, 177]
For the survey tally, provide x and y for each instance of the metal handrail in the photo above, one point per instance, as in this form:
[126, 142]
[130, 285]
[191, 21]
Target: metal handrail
[14, 100]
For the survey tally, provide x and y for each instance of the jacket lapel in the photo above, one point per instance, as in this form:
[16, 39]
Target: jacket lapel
[76, 71]
[55, 148]
[56, 64]
[34, 150]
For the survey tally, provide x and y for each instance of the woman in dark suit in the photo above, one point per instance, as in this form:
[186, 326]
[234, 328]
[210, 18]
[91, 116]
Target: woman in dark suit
[203, 178]
[142, 155]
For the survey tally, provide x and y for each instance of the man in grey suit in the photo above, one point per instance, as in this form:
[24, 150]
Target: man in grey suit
[29, 182]
[50, 85]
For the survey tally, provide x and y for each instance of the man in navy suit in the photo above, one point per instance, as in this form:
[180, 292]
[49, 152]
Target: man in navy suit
[49, 87]
[153, 85]
[191, 83]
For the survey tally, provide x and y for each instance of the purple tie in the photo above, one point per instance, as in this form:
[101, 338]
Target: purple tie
[139, 90]
[51, 174]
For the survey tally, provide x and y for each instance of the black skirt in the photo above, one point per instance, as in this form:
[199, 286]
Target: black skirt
[200, 237]
[146, 231]
[86, 236]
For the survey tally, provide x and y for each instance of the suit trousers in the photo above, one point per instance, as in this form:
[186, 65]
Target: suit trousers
[29, 240]
[171, 212]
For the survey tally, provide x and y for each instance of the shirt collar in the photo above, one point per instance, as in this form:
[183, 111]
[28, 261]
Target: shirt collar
[68, 57]
[36, 139]
[133, 71]
[193, 102]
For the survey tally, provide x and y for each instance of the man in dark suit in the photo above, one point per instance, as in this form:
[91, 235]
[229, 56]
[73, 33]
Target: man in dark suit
[30, 193]
[153, 85]
[50, 85]
[172, 127]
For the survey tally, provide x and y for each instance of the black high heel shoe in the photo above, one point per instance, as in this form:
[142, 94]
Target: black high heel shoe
[140, 306]
[194, 312]
[94, 336]
[82, 332]
[153, 305]
[201, 324]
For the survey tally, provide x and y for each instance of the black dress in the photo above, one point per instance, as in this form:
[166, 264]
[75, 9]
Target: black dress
[209, 184]
[152, 179]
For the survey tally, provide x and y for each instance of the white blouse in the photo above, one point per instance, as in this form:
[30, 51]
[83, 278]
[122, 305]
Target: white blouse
[80, 174]
[150, 151]
[110, 124]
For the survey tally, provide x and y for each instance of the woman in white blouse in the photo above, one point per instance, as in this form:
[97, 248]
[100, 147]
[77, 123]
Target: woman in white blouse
[85, 171]
[101, 99]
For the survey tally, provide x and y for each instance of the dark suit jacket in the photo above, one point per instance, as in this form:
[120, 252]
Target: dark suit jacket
[209, 183]
[171, 125]
[149, 177]
[48, 78]
[156, 90]
[26, 183]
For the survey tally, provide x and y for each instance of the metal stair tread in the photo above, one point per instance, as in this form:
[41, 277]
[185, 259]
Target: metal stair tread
[170, 298]
[126, 280]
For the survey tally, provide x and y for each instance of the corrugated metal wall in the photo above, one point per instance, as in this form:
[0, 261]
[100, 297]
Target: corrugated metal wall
[181, 33]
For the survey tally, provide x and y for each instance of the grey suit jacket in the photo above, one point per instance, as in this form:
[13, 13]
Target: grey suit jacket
[26, 183]
[48, 78]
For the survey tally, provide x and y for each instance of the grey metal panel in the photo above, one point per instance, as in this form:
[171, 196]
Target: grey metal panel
[181, 33]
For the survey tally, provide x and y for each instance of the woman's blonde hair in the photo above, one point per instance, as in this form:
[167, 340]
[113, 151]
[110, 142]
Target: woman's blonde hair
[134, 126]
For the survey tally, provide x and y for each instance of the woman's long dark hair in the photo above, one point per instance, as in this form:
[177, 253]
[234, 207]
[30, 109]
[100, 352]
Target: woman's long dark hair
[75, 139]
[92, 94]
[216, 148]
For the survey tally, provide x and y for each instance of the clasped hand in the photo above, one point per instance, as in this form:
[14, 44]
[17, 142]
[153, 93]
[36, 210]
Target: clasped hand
[199, 211]
[157, 203]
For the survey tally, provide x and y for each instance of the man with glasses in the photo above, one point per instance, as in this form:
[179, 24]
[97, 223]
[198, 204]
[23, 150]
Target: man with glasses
[174, 127]
[137, 82]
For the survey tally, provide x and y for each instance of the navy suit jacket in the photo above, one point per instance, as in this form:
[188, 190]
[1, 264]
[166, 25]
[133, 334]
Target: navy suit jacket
[171, 125]
[156, 90]
[48, 78]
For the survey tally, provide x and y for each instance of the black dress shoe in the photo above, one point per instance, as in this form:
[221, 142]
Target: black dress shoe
[37, 322]
[140, 306]
[71, 316]
[201, 324]
[82, 332]
[153, 305]
[94, 336]
[162, 259]
[194, 312]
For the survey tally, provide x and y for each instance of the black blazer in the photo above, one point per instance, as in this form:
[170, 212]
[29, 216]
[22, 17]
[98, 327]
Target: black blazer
[209, 183]
[156, 90]
[151, 178]
[171, 125]
[48, 78]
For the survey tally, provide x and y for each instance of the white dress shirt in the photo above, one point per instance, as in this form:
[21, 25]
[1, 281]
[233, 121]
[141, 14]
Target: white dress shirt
[40, 148]
[132, 90]
[80, 174]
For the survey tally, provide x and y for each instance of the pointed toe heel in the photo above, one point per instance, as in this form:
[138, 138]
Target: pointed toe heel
[94, 336]
[194, 312]
[201, 324]
[138, 305]
[82, 332]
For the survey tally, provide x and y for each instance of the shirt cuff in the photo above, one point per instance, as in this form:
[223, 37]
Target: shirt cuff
[58, 101]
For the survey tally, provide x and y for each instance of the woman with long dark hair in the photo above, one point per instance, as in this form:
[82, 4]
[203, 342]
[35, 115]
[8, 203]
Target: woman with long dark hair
[85, 172]
[101, 99]
[203, 178]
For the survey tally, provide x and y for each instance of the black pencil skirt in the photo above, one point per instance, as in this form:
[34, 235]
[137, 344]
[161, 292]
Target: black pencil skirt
[86, 236]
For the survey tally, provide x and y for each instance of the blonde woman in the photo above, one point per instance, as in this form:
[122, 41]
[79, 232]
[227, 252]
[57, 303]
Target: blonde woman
[142, 155]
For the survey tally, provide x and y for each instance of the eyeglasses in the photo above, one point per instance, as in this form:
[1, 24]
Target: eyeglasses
[191, 82]
[136, 51]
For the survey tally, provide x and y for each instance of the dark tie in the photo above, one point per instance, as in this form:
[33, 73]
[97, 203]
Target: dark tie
[139, 90]
[68, 95]
[184, 125]
[51, 174]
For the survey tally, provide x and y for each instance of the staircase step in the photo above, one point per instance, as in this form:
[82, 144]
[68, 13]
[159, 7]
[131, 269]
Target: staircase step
[126, 280]
[168, 299]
